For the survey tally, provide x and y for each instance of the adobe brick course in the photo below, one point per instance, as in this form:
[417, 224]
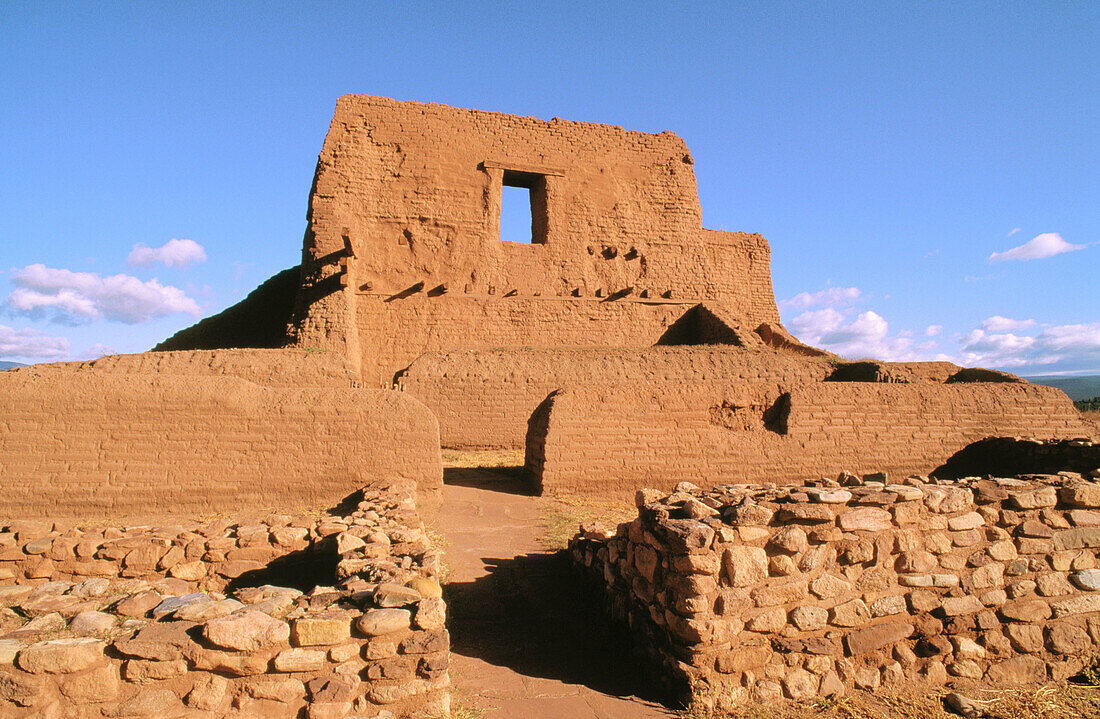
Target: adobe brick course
[613, 439]
[117, 444]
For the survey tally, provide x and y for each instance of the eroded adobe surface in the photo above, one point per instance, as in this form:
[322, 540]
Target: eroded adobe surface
[117, 444]
[615, 438]
[403, 253]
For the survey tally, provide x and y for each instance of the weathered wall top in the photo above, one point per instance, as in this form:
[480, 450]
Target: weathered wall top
[417, 190]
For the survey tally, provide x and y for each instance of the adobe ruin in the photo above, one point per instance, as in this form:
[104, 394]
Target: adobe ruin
[621, 299]
[625, 346]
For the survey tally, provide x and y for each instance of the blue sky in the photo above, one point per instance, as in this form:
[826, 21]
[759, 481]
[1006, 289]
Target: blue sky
[894, 154]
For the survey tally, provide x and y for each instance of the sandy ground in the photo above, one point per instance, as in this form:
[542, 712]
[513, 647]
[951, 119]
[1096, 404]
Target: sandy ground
[523, 644]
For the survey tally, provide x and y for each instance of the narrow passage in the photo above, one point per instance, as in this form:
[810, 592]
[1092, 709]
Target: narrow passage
[523, 642]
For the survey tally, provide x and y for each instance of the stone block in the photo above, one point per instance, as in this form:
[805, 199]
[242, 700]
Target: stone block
[1082, 495]
[745, 566]
[1077, 538]
[1018, 670]
[853, 613]
[1026, 610]
[246, 631]
[61, 656]
[319, 630]
[1076, 605]
[957, 606]
[809, 618]
[867, 519]
[1035, 499]
[299, 660]
[876, 637]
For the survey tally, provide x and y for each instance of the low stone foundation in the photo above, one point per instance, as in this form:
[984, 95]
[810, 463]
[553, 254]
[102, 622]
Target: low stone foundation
[749, 593]
[134, 622]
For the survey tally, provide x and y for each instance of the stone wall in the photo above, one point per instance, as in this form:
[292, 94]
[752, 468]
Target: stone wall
[748, 593]
[616, 438]
[367, 635]
[484, 398]
[117, 444]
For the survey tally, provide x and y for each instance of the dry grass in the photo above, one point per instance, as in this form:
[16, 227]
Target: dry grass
[471, 459]
[1048, 702]
[563, 515]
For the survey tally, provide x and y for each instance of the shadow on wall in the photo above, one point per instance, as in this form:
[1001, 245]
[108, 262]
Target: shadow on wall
[532, 615]
[699, 326]
[259, 321]
[303, 569]
[1009, 456]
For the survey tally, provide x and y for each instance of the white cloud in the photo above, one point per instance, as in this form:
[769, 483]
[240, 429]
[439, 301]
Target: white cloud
[933, 330]
[1047, 244]
[31, 343]
[79, 297]
[1065, 345]
[174, 253]
[996, 323]
[830, 297]
[1013, 231]
[868, 335]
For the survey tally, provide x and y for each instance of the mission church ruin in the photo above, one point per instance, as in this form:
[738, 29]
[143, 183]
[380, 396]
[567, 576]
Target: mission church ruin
[625, 346]
[650, 347]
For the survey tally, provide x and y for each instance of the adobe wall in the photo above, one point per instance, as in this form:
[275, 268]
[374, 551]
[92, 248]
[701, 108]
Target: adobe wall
[420, 324]
[483, 398]
[406, 199]
[121, 444]
[616, 438]
[750, 594]
[268, 367]
[115, 621]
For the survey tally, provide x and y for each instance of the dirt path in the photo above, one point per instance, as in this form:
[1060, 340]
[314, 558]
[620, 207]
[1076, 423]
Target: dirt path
[522, 643]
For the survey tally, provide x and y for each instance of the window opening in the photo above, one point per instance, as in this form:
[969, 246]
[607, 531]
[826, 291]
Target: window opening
[523, 207]
[515, 214]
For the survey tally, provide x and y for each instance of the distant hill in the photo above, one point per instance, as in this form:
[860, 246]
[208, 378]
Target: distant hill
[4, 364]
[1078, 388]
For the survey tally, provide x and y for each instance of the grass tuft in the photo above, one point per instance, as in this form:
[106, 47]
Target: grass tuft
[561, 516]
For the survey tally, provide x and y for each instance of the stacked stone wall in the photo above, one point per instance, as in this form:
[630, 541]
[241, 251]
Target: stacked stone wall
[616, 438]
[160, 638]
[748, 593]
[116, 444]
[484, 398]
